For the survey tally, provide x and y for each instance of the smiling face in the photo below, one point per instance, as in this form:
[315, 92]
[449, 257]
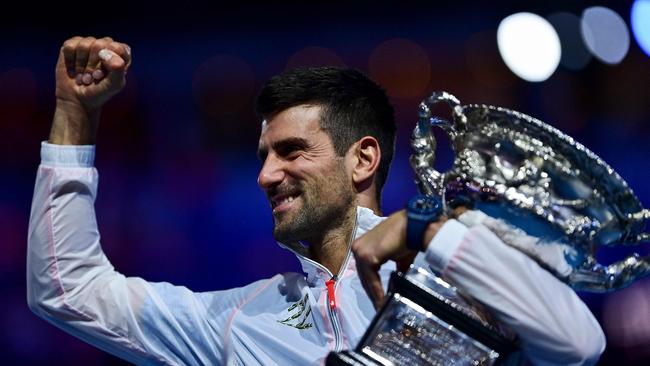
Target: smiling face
[307, 184]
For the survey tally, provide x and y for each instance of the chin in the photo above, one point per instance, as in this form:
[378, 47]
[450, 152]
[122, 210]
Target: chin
[286, 234]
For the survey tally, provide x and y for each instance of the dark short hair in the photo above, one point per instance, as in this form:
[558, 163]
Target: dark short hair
[353, 107]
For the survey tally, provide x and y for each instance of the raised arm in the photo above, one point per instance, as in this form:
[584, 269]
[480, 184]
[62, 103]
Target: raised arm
[70, 282]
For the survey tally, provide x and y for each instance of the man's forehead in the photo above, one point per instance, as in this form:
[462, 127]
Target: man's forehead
[300, 117]
[301, 122]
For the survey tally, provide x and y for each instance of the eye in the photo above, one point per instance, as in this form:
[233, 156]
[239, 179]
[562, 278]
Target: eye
[290, 151]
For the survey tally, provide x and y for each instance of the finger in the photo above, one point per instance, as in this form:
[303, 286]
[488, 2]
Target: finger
[98, 74]
[81, 54]
[94, 65]
[111, 61]
[404, 263]
[123, 50]
[371, 282]
[115, 67]
[69, 54]
[366, 266]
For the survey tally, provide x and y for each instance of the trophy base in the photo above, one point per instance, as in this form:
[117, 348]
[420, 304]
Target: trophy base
[426, 321]
[348, 358]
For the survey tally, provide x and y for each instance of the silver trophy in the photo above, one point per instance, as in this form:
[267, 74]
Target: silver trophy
[529, 175]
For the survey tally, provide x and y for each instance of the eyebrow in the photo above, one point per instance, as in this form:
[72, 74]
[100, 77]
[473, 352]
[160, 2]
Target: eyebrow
[279, 145]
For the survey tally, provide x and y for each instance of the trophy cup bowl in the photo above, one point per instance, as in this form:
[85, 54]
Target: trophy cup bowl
[531, 177]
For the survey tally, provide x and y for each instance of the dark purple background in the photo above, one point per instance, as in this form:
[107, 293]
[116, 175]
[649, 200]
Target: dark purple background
[178, 199]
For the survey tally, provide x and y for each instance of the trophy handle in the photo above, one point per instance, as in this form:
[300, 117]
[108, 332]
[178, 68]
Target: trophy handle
[599, 278]
[641, 216]
[430, 181]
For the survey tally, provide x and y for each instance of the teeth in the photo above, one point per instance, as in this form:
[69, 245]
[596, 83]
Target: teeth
[285, 200]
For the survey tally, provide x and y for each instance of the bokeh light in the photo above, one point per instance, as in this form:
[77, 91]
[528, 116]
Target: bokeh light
[640, 21]
[402, 67]
[605, 34]
[626, 315]
[574, 53]
[529, 46]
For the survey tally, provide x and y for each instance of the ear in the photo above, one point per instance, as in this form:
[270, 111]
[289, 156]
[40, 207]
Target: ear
[367, 155]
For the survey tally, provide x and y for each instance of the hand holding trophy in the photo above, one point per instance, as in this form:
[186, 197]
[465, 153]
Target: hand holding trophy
[544, 194]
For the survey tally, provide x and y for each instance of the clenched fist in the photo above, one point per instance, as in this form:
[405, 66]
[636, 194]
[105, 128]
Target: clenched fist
[89, 72]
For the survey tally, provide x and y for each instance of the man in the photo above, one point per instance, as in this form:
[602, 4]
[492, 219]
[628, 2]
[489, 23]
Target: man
[326, 145]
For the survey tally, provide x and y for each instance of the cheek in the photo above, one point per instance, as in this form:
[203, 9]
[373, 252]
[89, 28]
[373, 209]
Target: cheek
[298, 170]
[337, 182]
[308, 168]
[329, 173]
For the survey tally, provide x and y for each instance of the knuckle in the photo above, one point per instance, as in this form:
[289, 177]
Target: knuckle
[119, 48]
[98, 45]
[69, 45]
[86, 43]
[71, 41]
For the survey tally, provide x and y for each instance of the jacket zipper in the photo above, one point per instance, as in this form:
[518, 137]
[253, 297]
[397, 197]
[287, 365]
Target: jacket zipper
[331, 285]
[330, 291]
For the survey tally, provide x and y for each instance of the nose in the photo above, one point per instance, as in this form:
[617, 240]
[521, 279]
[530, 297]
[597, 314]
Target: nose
[272, 172]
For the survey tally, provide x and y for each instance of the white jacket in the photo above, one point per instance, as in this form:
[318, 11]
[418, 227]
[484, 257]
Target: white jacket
[284, 320]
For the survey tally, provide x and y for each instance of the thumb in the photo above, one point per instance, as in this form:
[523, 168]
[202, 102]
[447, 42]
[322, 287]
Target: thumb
[111, 60]
[114, 65]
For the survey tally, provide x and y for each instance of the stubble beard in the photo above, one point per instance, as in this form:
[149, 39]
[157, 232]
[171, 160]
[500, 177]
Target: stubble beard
[323, 207]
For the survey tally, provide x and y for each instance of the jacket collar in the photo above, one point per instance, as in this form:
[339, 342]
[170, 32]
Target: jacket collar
[314, 271]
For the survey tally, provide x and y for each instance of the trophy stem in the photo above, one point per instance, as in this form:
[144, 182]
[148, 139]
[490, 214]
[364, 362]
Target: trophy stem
[640, 216]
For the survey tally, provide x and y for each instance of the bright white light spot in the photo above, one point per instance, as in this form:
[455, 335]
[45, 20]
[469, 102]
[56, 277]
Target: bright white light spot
[529, 46]
[640, 19]
[605, 34]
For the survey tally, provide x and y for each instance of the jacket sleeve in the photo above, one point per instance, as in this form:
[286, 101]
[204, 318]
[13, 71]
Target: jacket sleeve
[555, 327]
[71, 283]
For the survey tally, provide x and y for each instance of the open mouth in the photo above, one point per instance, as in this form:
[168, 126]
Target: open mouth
[283, 202]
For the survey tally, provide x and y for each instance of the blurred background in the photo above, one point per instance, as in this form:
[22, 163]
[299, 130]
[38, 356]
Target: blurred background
[178, 199]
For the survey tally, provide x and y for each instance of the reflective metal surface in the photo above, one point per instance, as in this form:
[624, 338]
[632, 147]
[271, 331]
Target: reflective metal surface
[427, 321]
[409, 335]
[519, 169]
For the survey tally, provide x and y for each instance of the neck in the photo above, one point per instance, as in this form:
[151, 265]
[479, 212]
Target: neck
[368, 199]
[331, 249]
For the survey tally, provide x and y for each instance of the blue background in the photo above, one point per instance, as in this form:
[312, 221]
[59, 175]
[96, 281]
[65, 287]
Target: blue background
[178, 199]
